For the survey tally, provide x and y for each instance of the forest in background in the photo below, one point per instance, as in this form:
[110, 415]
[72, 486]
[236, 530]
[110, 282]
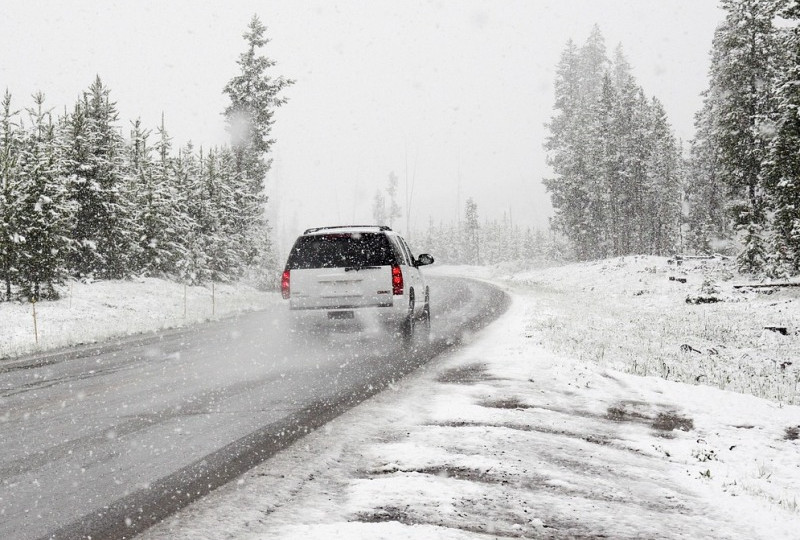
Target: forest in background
[623, 185]
[79, 200]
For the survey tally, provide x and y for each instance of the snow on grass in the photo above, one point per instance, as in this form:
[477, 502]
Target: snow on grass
[528, 431]
[93, 312]
[629, 314]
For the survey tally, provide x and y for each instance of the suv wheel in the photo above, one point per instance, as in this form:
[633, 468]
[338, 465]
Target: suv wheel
[425, 320]
[409, 325]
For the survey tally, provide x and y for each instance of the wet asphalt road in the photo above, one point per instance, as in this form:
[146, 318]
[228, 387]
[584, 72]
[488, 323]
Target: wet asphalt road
[105, 441]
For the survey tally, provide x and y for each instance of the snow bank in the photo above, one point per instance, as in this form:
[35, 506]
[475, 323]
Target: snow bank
[93, 312]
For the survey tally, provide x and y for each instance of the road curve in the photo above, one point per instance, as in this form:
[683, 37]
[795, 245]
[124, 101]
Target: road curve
[105, 441]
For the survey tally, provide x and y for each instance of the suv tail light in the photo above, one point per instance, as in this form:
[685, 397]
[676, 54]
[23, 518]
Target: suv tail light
[397, 280]
[285, 285]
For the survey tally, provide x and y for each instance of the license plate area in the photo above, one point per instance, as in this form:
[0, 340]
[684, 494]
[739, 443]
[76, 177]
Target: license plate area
[339, 315]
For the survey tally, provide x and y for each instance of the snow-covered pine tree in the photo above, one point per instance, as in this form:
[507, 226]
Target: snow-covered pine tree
[565, 146]
[611, 151]
[154, 211]
[489, 241]
[176, 202]
[592, 231]
[47, 215]
[471, 236]
[782, 168]
[662, 213]
[393, 211]
[379, 208]
[189, 185]
[220, 238]
[236, 205]
[604, 174]
[624, 148]
[706, 193]
[593, 64]
[571, 148]
[93, 162]
[138, 177]
[10, 193]
[254, 96]
[742, 89]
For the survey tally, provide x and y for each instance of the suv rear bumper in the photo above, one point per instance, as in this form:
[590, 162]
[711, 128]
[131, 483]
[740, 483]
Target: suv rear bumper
[300, 306]
[387, 315]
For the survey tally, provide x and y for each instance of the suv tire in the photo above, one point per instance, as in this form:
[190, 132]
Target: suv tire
[425, 319]
[409, 325]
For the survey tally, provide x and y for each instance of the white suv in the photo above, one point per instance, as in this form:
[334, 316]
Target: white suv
[358, 272]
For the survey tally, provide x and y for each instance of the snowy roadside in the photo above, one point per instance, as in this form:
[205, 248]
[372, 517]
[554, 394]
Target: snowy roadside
[94, 312]
[503, 438]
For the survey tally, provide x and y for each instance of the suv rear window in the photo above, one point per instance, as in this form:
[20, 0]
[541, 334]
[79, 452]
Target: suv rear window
[341, 250]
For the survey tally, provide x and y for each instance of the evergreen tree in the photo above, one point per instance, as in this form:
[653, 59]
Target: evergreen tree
[783, 163]
[192, 265]
[603, 175]
[254, 95]
[566, 153]
[46, 217]
[593, 62]
[379, 208]
[155, 211]
[616, 188]
[626, 148]
[221, 236]
[662, 213]
[471, 227]
[705, 191]
[742, 89]
[393, 212]
[175, 205]
[93, 161]
[10, 193]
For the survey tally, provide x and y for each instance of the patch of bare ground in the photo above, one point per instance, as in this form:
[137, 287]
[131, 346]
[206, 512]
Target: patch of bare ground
[392, 513]
[506, 403]
[467, 374]
[527, 482]
[470, 474]
[384, 514]
[670, 421]
[626, 411]
[516, 404]
[664, 421]
[515, 485]
[599, 440]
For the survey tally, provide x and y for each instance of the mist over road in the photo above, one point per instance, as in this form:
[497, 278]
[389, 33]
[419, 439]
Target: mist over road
[107, 441]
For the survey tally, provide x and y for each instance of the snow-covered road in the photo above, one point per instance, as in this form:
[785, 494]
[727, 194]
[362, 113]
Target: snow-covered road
[502, 439]
[499, 437]
[107, 443]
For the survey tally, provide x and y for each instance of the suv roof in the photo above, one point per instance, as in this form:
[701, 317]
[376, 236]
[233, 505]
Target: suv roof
[343, 228]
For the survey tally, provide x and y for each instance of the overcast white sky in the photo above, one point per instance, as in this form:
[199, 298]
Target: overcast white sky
[453, 85]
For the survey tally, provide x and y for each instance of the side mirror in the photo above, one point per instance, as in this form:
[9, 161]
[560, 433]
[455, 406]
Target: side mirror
[424, 260]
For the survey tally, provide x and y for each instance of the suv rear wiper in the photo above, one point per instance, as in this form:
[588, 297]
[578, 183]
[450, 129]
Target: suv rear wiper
[357, 268]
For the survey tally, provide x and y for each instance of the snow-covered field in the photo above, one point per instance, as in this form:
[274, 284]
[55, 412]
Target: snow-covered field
[632, 314]
[92, 312]
[528, 431]
[556, 421]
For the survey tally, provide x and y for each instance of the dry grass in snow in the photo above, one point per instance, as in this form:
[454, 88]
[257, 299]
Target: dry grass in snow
[632, 314]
